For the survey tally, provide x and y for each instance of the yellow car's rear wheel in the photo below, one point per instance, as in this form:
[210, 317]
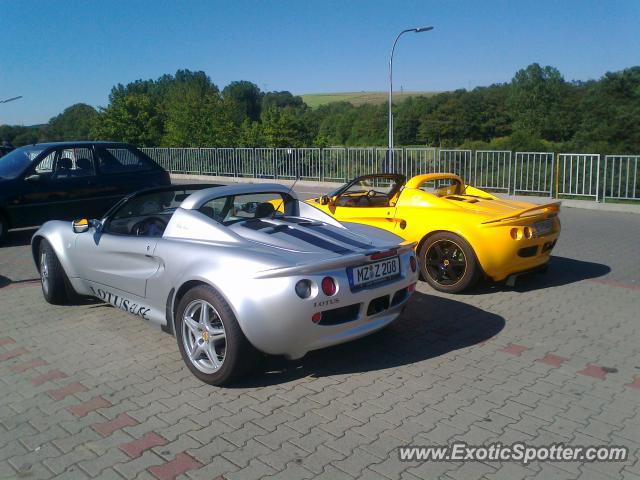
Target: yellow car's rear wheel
[448, 263]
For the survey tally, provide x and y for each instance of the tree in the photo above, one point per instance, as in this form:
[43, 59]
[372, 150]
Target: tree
[535, 101]
[282, 100]
[251, 134]
[132, 118]
[610, 114]
[537, 110]
[283, 127]
[191, 105]
[74, 123]
[247, 97]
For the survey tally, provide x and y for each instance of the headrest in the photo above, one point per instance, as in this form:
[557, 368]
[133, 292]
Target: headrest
[264, 210]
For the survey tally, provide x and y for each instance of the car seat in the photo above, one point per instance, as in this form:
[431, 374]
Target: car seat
[63, 167]
[265, 209]
[84, 167]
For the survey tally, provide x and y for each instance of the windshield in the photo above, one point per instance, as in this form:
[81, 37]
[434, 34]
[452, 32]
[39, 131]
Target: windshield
[17, 161]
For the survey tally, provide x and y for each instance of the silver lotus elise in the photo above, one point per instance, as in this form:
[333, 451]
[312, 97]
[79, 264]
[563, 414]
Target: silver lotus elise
[232, 271]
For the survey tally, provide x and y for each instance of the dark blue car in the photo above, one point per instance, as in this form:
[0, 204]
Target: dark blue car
[68, 180]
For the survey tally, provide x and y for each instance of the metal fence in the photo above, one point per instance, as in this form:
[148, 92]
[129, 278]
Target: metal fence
[563, 175]
[621, 177]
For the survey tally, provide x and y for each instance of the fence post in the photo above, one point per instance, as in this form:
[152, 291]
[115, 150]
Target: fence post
[511, 156]
[275, 164]
[253, 160]
[598, 178]
[604, 180]
[557, 173]
[553, 157]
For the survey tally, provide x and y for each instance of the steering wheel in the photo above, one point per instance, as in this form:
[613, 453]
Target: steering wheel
[149, 227]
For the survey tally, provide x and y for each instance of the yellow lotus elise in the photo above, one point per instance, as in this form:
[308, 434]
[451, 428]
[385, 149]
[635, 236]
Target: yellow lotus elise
[462, 233]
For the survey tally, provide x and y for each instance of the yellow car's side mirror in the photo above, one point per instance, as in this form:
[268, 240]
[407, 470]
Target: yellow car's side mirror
[81, 225]
[324, 200]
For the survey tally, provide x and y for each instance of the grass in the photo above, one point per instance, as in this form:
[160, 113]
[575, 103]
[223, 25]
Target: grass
[358, 98]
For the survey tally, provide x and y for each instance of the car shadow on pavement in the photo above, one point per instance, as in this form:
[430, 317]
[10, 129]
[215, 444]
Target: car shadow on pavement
[5, 282]
[561, 271]
[18, 238]
[430, 326]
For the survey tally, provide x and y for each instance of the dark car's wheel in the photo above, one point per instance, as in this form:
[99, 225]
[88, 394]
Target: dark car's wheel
[448, 263]
[210, 339]
[52, 276]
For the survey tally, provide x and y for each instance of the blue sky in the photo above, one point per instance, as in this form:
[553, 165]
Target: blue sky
[57, 53]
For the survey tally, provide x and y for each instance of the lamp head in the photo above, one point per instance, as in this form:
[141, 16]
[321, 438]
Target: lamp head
[422, 29]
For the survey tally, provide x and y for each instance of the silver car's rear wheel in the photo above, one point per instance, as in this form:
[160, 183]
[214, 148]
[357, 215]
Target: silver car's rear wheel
[211, 342]
[203, 336]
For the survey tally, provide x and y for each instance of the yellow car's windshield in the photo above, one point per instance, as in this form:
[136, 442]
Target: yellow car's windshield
[370, 191]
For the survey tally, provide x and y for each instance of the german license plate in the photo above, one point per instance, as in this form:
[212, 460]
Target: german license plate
[543, 227]
[375, 272]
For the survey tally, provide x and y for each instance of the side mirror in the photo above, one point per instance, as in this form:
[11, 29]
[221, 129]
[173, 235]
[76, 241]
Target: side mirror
[82, 225]
[327, 200]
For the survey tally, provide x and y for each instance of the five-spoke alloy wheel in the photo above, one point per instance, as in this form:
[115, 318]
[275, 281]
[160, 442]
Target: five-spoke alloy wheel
[55, 286]
[210, 339]
[448, 263]
[203, 336]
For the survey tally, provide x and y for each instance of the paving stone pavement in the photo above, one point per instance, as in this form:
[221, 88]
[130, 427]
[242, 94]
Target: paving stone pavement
[89, 392]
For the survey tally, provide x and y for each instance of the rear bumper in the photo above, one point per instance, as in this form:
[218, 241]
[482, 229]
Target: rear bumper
[277, 322]
[503, 256]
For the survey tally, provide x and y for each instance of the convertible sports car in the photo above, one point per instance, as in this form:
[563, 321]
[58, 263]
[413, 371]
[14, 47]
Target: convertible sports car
[460, 232]
[231, 271]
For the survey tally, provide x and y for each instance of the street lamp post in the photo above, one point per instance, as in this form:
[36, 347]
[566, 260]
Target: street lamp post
[415, 30]
[11, 99]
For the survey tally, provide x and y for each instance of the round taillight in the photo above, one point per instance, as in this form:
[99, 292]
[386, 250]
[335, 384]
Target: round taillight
[514, 233]
[527, 232]
[316, 317]
[328, 286]
[303, 288]
[412, 263]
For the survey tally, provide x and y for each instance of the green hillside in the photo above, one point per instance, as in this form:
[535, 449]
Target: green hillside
[357, 98]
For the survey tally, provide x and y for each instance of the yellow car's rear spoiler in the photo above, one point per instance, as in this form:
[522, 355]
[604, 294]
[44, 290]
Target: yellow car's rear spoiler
[546, 208]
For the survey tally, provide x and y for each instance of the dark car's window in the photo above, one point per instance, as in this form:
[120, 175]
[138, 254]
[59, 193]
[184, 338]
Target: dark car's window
[64, 163]
[45, 166]
[146, 214]
[122, 160]
[238, 208]
[17, 161]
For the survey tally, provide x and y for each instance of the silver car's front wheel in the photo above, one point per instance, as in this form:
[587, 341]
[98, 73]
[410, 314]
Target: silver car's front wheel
[52, 277]
[204, 336]
[44, 272]
[211, 342]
